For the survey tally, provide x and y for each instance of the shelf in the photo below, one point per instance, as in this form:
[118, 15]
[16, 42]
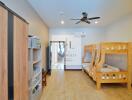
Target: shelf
[30, 86]
[36, 84]
[37, 61]
[35, 58]
[37, 74]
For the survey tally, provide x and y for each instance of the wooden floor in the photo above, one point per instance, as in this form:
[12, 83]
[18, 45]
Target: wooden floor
[76, 85]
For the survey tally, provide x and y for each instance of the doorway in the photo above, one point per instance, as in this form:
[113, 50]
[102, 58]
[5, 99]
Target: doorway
[57, 54]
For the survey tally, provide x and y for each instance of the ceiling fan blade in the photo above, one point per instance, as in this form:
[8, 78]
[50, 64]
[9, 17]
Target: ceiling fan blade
[78, 22]
[75, 19]
[93, 18]
[88, 22]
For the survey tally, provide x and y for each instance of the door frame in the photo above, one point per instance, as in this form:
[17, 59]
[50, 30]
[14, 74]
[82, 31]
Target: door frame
[64, 50]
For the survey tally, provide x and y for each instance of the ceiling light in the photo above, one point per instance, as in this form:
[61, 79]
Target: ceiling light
[96, 22]
[62, 22]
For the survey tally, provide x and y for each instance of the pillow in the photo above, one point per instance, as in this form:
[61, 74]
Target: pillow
[109, 68]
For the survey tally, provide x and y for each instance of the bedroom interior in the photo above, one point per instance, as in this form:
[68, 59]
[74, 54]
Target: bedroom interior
[65, 50]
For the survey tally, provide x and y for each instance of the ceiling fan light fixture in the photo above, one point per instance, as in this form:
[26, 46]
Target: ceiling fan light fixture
[86, 19]
[96, 22]
[62, 22]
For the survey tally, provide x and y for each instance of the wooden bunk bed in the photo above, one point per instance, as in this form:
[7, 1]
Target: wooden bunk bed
[110, 74]
[103, 73]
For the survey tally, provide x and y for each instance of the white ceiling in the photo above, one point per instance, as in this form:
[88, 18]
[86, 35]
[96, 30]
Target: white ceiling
[108, 10]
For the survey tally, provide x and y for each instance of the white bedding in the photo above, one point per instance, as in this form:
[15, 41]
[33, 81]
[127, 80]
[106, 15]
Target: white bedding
[109, 68]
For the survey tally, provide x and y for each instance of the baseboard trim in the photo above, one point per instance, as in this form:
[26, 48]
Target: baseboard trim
[73, 69]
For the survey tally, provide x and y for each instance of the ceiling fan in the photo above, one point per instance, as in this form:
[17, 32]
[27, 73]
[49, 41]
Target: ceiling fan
[85, 18]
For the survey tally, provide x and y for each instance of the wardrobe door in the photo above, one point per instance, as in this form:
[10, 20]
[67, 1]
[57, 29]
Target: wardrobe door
[3, 55]
[20, 59]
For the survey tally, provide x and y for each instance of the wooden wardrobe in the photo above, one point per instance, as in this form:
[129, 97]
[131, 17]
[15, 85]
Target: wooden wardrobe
[13, 55]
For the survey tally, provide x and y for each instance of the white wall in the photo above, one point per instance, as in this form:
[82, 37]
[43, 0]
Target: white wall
[36, 25]
[93, 35]
[121, 30]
